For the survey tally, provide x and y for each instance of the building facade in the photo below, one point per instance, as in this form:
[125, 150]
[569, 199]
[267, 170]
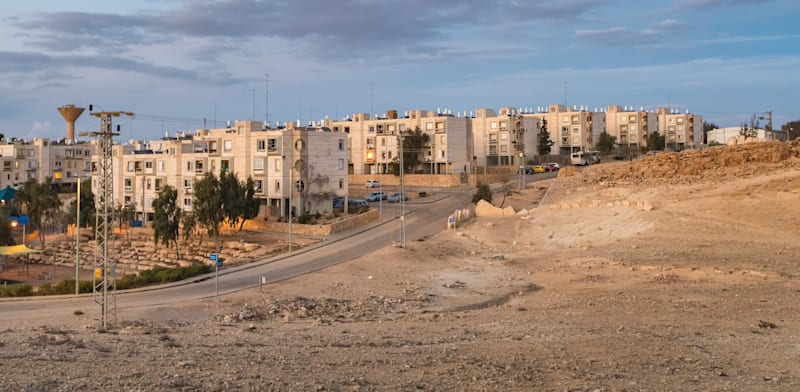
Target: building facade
[293, 169]
[374, 143]
[505, 139]
[681, 130]
[570, 130]
[629, 126]
[64, 163]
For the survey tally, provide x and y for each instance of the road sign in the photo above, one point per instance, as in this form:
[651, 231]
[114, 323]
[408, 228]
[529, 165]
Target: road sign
[452, 220]
[213, 257]
[219, 263]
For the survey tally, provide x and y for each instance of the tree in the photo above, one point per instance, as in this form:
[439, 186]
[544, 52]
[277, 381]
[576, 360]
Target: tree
[792, 129]
[606, 143]
[207, 205]
[707, 127]
[40, 201]
[189, 224]
[544, 140]
[233, 198]
[413, 143]
[88, 209]
[655, 142]
[482, 192]
[251, 203]
[6, 237]
[166, 218]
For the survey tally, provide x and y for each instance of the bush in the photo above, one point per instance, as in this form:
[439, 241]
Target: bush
[482, 193]
[307, 219]
[162, 275]
[65, 287]
[16, 290]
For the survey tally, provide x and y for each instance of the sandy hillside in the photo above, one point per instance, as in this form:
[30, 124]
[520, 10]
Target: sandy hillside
[676, 272]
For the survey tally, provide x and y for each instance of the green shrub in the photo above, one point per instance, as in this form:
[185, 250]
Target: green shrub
[482, 193]
[306, 219]
[65, 287]
[160, 275]
[16, 290]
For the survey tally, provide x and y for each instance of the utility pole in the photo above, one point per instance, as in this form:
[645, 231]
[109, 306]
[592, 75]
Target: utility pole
[105, 202]
[402, 199]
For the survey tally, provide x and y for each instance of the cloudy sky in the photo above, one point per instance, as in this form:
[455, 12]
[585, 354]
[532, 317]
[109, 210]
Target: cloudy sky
[177, 62]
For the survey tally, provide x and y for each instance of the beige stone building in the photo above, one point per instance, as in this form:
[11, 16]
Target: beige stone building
[374, 143]
[681, 130]
[40, 159]
[629, 126]
[571, 130]
[299, 167]
[499, 139]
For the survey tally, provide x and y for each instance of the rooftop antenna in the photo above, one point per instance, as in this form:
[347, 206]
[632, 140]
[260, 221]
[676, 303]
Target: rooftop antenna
[565, 93]
[266, 103]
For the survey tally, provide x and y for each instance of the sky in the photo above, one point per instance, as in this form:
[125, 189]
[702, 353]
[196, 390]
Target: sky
[183, 65]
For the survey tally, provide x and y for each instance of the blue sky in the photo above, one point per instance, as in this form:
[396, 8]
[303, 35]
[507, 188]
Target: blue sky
[175, 63]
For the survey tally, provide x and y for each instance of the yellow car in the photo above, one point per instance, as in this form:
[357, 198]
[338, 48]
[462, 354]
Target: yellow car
[538, 169]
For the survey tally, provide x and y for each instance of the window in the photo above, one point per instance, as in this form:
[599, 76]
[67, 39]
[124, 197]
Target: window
[190, 165]
[623, 119]
[565, 119]
[442, 139]
[261, 145]
[128, 184]
[130, 166]
[390, 155]
[127, 200]
[341, 164]
[277, 185]
[371, 129]
[401, 127]
[492, 138]
[187, 202]
[439, 125]
[680, 120]
[159, 184]
[272, 145]
[148, 165]
[341, 144]
[299, 145]
[225, 165]
[258, 185]
[187, 183]
[576, 120]
[633, 127]
[383, 142]
[503, 136]
[493, 125]
[161, 166]
[258, 165]
[429, 126]
[503, 148]
[228, 146]
[492, 150]
[503, 125]
[277, 164]
[576, 129]
[57, 164]
[564, 131]
[341, 183]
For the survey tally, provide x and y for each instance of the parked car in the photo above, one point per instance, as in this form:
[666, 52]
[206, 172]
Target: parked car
[338, 202]
[355, 205]
[375, 196]
[397, 196]
[538, 169]
[373, 184]
[552, 166]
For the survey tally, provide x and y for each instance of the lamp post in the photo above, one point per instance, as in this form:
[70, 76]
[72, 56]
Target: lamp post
[78, 238]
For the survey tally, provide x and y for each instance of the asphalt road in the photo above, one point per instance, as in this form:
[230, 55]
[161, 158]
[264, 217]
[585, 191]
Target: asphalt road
[424, 218]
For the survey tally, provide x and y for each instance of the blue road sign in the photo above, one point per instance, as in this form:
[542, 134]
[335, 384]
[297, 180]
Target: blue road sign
[213, 257]
[219, 264]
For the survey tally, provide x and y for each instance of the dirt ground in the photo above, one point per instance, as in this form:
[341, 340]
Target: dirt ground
[613, 282]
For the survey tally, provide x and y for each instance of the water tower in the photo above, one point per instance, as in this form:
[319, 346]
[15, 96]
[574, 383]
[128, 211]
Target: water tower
[70, 114]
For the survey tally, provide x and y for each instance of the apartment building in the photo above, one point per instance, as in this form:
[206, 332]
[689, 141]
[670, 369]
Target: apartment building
[575, 129]
[295, 168]
[499, 139]
[629, 126]
[681, 130]
[374, 143]
[39, 159]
